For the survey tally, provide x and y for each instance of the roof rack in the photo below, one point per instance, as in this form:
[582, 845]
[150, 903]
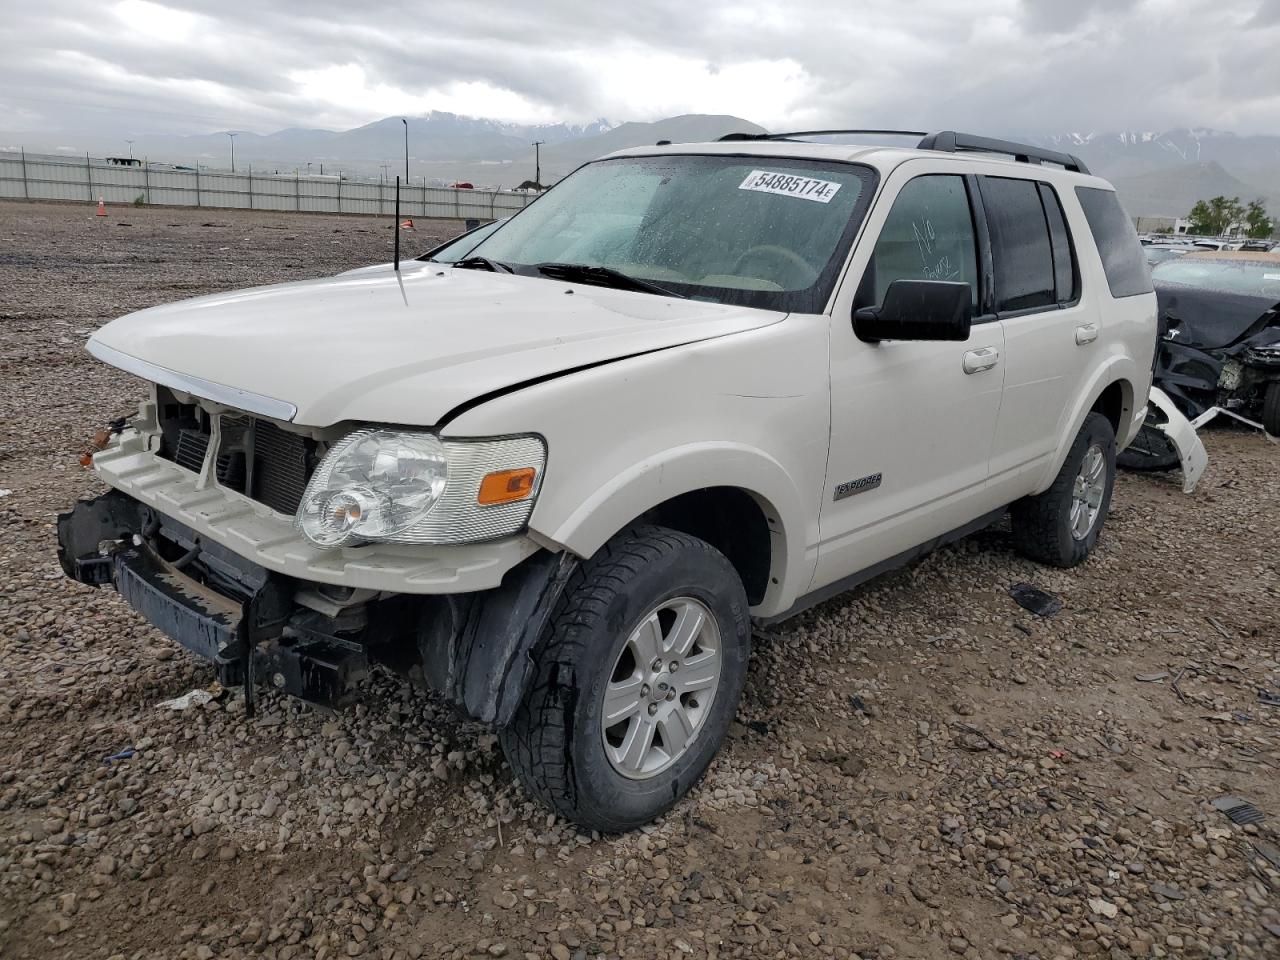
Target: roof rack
[952, 142]
[948, 141]
[816, 133]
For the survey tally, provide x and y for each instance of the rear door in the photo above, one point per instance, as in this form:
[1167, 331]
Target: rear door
[911, 421]
[1050, 332]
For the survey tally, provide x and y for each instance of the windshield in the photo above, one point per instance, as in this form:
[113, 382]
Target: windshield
[454, 250]
[743, 230]
[1260, 278]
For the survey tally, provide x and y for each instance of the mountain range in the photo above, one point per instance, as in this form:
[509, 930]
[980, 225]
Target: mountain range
[1156, 173]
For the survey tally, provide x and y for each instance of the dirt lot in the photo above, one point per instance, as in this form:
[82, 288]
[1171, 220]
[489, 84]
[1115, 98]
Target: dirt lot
[921, 768]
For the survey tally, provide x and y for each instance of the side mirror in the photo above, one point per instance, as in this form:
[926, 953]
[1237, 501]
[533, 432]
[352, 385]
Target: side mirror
[918, 310]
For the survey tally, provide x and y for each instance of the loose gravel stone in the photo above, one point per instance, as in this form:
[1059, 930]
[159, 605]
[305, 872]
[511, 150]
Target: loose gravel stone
[919, 768]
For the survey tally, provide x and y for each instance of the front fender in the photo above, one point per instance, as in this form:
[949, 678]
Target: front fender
[645, 485]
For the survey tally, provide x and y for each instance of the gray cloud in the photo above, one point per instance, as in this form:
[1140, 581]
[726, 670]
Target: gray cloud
[128, 67]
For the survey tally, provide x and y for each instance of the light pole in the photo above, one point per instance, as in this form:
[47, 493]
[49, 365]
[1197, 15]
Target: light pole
[308, 168]
[232, 137]
[406, 150]
[537, 162]
[130, 143]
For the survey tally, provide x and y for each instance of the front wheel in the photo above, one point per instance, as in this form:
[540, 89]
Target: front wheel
[1060, 527]
[1151, 450]
[1271, 409]
[637, 680]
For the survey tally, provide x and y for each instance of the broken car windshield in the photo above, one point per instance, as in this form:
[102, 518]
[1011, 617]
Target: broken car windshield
[756, 231]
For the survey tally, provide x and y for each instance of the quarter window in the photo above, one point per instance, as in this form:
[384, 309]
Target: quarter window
[1021, 251]
[928, 235]
[1117, 241]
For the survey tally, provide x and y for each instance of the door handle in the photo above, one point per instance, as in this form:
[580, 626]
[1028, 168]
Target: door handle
[984, 358]
[1086, 333]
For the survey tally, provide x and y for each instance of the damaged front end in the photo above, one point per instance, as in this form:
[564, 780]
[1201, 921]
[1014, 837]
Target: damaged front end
[311, 640]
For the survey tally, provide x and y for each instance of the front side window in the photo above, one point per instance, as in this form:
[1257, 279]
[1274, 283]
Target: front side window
[1021, 251]
[928, 235]
[755, 231]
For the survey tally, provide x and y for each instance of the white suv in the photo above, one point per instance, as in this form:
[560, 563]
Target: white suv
[692, 387]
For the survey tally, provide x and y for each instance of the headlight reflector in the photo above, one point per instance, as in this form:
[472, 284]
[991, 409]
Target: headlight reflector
[372, 485]
[413, 487]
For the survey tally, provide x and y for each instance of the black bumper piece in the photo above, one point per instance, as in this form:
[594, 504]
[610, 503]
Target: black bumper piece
[246, 637]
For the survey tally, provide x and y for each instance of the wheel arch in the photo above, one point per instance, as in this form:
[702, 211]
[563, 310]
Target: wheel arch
[757, 521]
[1110, 392]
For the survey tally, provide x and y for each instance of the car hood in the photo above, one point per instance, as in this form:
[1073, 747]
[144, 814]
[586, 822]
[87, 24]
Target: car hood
[371, 345]
[1211, 319]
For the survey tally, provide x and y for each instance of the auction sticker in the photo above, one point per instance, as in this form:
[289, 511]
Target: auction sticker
[790, 185]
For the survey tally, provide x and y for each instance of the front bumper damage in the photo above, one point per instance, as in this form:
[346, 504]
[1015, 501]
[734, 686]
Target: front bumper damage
[308, 639]
[1182, 434]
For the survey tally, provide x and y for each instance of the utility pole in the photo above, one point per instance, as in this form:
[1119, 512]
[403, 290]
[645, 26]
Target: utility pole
[308, 168]
[130, 143]
[537, 163]
[406, 150]
[232, 136]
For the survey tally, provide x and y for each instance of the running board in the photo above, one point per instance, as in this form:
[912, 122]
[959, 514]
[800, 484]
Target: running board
[884, 566]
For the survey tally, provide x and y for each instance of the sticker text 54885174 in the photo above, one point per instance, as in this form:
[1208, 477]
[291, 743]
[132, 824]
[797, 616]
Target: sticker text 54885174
[790, 185]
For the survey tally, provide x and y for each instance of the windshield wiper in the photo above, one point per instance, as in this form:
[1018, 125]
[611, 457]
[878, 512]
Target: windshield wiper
[483, 263]
[603, 277]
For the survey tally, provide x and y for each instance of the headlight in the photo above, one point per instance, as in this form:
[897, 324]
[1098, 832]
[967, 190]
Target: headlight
[412, 487]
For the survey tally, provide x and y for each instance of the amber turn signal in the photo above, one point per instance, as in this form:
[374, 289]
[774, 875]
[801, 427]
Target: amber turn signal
[506, 486]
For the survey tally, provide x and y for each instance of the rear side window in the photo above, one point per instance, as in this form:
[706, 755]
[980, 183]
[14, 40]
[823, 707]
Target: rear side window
[1021, 250]
[1066, 280]
[1117, 242]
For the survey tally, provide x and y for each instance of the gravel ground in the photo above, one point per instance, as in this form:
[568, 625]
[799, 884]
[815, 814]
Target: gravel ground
[921, 768]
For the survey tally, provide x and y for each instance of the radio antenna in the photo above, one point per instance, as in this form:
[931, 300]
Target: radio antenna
[396, 225]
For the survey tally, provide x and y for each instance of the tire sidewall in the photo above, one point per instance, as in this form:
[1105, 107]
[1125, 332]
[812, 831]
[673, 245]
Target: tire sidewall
[604, 795]
[1095, 430]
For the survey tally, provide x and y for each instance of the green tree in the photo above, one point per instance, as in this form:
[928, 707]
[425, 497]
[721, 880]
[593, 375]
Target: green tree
[1257, 223]
[1216, 216]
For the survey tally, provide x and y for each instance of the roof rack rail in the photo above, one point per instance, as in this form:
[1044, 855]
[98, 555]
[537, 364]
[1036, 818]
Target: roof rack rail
[946, 140]
[815, 133]
[952, 142]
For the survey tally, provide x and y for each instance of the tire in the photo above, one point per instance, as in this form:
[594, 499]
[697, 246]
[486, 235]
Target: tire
[1271, 409]
[558, 743]
[1043, 527]
[1150, 450]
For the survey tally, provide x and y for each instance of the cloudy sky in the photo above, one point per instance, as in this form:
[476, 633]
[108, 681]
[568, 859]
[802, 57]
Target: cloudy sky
[125, 67]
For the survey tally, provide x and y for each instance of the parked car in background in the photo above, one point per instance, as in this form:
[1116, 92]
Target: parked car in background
[1160, 252]
[1219, 343]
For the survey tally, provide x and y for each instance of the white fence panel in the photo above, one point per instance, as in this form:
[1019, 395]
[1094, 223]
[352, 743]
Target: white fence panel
[59, 177]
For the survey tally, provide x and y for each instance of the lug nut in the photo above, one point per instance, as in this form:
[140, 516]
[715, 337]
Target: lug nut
[674, 666]
[671, 694]
[644, 689]
[656, 665]
[653, 708]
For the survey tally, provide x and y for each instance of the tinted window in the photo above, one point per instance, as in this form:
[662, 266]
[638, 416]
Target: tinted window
[1117, 242]
[928, 235]
[1064, 261]
[1021, 252]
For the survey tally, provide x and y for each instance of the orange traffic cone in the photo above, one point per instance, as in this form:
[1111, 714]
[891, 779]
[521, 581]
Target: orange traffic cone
[406, 224]
[102, 207]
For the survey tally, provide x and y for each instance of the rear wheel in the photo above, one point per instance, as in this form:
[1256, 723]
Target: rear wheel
[1060, 527]
[1271, 409]
[637, 681]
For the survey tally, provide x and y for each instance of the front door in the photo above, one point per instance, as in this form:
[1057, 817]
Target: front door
[911, 422]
